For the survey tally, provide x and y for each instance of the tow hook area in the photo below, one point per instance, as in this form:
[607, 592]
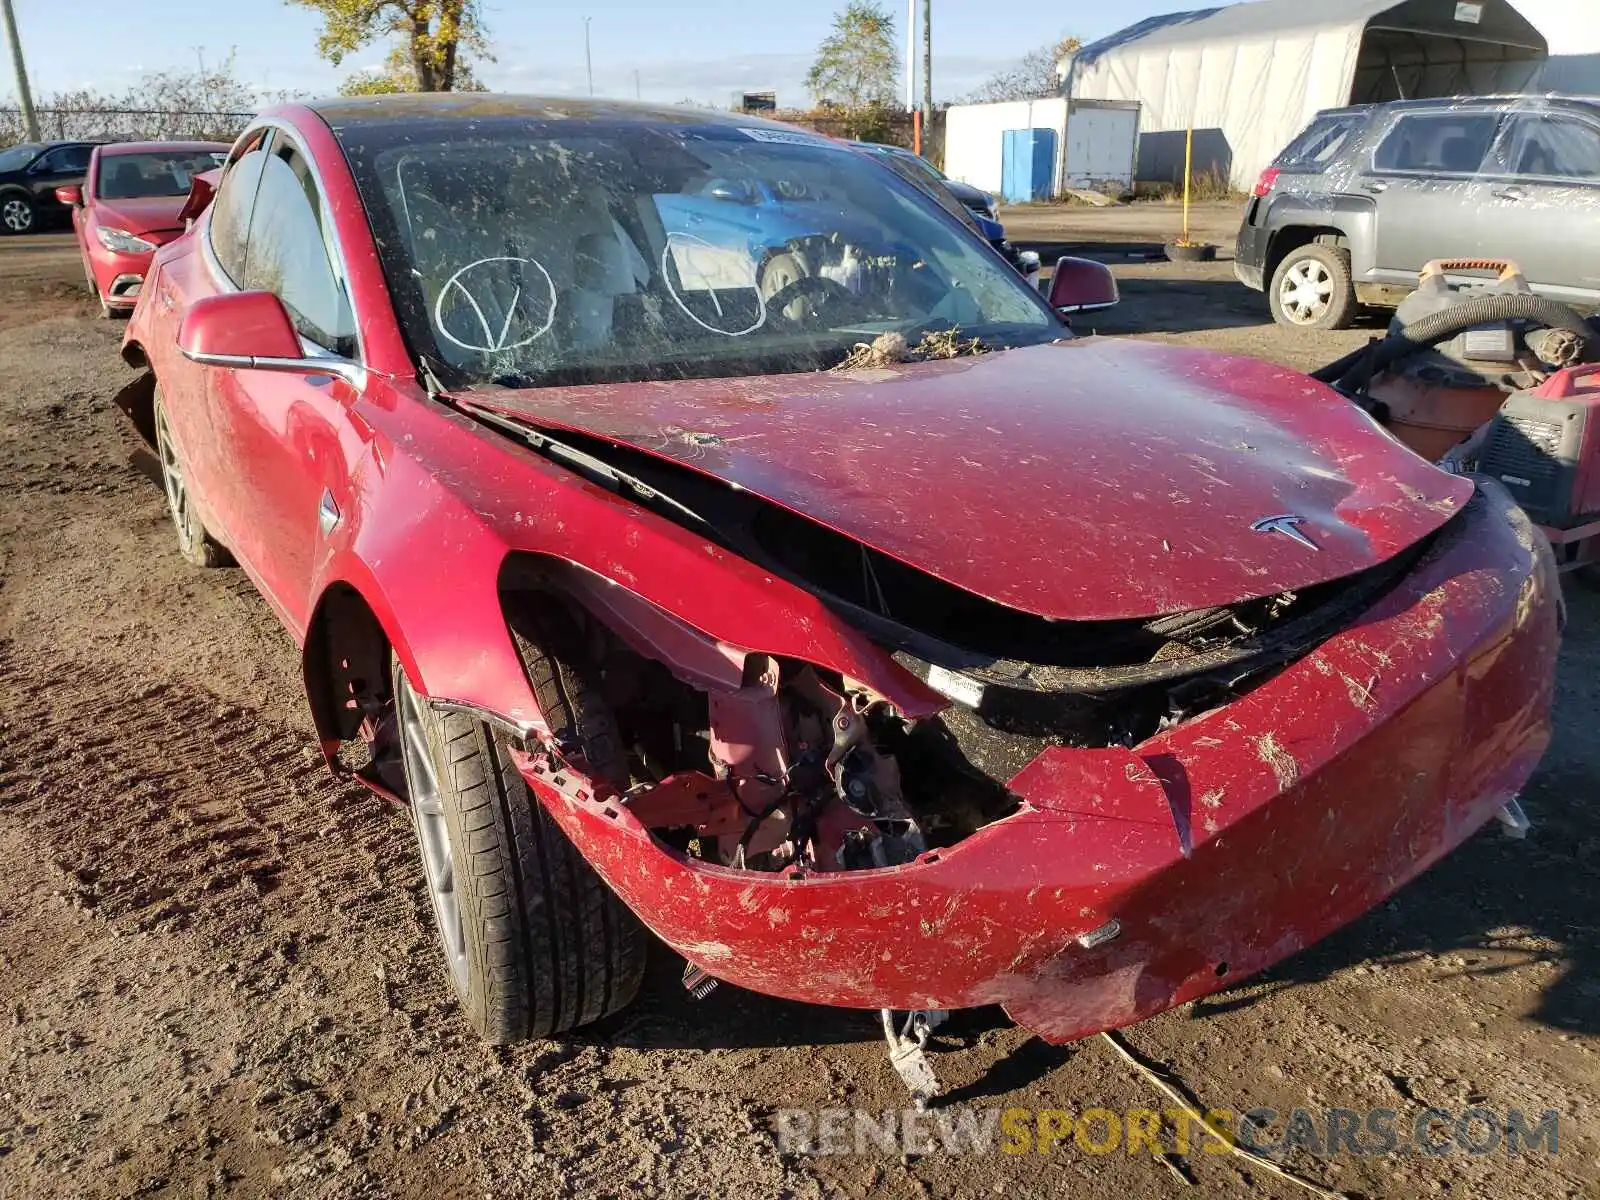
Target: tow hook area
[1513, 820]
[907, 1037]
[908, 1040]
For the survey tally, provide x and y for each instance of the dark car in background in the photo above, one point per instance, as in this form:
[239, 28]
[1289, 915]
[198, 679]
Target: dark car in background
[1351, 210]
[973, 204]
[29, 176]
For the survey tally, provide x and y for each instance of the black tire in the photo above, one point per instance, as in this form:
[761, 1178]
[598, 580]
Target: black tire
[194, 542]
[1312, 289]
[17, 213]
[539, 945]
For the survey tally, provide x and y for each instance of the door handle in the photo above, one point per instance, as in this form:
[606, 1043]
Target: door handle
[1510, 193]
[1375, 186]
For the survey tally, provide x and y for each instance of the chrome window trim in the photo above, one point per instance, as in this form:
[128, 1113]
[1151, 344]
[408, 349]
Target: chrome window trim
[276, 125]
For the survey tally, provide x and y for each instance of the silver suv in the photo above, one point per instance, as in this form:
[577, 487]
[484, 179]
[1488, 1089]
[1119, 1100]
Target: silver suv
[1354, 206]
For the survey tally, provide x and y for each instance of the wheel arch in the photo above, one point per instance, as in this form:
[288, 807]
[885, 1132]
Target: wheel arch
[137, 399]
[1292, 237]
[344, 663]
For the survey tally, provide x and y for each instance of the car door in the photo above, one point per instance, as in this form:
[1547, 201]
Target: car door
[1543, 201]
[288, 439]
[1424, 177]
[57, 168]
[214, 263]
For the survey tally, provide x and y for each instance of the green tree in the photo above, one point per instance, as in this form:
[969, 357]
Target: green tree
[398, 75]
[856, 64]
[435, 36]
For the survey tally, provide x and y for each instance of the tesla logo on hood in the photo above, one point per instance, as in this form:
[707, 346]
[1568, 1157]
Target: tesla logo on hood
[1287, 524]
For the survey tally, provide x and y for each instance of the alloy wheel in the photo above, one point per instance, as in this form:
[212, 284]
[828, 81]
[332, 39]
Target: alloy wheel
[433, 835]
[1306, 291]
[172, 479]
[17, 214]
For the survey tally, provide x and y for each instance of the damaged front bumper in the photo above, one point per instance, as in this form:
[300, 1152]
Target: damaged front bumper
[1135, 879]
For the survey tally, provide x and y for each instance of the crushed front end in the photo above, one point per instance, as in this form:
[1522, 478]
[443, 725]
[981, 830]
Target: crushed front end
[1010, 834]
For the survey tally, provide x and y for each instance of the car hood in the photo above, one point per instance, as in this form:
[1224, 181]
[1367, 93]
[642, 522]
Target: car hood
[1083, 480]
[968, 194]
[141, 215]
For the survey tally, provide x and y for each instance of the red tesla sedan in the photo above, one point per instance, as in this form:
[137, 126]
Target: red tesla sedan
[129, 203]
[827, 607]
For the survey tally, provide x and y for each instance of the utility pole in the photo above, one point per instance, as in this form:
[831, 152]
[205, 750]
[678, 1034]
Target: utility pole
[588, 61]
[911, 55]
[30, 119]
[927, 70]
[638, 92]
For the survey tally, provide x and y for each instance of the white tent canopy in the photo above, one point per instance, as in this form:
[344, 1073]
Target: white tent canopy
[1248, 77]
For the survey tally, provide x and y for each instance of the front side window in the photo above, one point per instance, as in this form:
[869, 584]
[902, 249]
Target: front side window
[1548, 146]
[559, 251]
[1445, 143]
[168, 173]
[230, 211]
[291, 251]
[66, 160]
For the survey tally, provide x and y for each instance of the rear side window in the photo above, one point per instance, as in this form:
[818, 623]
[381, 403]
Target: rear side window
[1319, 144]
[230, 212]
[1443, 143]
[291, 251]
[1548, 145]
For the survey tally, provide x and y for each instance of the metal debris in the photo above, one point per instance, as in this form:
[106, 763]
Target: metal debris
[907, 1050]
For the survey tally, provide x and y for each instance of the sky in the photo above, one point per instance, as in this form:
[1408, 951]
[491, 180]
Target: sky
[702, 50]
[699, 50]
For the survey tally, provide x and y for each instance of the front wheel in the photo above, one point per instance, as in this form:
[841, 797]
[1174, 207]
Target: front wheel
[534, 941]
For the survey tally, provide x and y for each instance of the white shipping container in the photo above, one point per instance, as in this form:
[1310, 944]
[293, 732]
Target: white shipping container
[1095, 141]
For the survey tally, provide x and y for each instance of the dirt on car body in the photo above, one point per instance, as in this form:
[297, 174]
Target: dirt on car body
[218, 975]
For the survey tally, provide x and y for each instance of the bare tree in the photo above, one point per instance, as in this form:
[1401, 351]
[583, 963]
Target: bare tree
[1033, 77]
[211, 104]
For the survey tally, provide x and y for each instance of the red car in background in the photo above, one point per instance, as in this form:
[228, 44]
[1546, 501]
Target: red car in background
[128, 204]
[827, 608]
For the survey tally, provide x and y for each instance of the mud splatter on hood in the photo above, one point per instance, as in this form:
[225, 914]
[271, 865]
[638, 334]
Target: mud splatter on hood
[1089, 479]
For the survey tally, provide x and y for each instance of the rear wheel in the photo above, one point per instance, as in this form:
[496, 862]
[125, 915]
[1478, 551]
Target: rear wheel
[534, 941]
[16, 213]
[1311, 289]
[194, 542]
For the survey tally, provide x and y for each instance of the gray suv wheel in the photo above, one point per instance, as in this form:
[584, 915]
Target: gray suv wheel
[1311, 289]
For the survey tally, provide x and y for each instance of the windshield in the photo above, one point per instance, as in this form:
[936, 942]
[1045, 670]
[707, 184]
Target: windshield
[568, 251]
[163, 173]
[18, 157]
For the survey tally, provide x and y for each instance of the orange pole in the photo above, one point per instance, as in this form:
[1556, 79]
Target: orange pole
[916, 132]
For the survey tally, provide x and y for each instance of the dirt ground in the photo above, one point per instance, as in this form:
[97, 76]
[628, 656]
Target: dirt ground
[217, 976]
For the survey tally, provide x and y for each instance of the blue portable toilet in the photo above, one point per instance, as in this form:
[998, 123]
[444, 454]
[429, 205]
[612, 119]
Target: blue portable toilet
[1027, 164]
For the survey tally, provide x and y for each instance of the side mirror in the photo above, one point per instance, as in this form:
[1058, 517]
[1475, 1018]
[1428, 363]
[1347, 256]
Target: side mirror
[252, 331]
[1082, 285]
[70, 194]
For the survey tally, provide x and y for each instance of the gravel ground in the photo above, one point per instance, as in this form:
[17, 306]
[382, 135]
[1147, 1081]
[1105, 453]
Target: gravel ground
[217, 976]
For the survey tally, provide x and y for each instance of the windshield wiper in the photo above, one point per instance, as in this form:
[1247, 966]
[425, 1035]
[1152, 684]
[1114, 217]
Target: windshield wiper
[596, 470]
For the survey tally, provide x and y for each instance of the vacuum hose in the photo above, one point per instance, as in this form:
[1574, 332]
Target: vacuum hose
[1356, 369]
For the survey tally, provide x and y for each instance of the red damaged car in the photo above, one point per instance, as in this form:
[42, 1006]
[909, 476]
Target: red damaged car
[131, 201]
[825, 607]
